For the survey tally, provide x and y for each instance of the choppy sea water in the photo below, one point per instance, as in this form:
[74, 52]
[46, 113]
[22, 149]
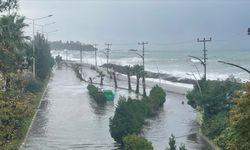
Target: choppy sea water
[174, 62]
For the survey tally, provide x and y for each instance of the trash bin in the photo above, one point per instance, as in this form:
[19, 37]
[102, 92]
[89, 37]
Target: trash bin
[108, 94]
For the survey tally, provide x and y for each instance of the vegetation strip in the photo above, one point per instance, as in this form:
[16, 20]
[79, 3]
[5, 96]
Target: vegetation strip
[24, 70]
[34, 116]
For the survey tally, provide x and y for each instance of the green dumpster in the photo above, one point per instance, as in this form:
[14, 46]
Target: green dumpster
[108, 94]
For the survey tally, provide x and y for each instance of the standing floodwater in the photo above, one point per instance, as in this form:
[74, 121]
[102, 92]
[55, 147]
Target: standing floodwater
[69, 119]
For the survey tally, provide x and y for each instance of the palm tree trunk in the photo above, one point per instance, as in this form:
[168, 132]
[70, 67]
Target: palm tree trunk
[144, 86]
[137, 84]
[101, 83]
[129, 81]
[115, 81]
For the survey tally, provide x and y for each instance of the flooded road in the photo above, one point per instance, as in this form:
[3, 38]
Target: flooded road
[177, 119]
[69, 119]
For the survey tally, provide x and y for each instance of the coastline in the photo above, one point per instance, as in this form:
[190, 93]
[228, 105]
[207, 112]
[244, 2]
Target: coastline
[170, 84]
[149, 74]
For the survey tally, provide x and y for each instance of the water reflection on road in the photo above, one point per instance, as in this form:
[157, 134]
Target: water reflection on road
[69, 119]
[177, 119]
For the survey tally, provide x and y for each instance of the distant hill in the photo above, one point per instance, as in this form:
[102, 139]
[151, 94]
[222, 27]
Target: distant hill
[70, 45]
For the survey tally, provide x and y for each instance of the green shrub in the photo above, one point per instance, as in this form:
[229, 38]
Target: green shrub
[136, 142]
[214, 102]
[26, 83]
[95, 94]
[237, 135]
[214, 98]
[157, 97]
[213, 126]
[128, 119]
[32, 85]
[13, 116]
[130, 115]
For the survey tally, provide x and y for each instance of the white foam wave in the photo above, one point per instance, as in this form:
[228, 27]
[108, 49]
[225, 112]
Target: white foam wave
[189, 86]
[88, 58]
[194, 60]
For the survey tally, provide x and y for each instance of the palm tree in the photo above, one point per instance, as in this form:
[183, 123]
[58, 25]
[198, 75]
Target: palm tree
[115, 81]
[101, 75]
[138, 71]
[128, 71]
[8, 5]
[12, 45]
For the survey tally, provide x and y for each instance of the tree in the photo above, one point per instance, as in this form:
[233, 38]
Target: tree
[236, 135]
[8, 5]
[136, 142]
[157, 97]
[13, 45]
[128, 119]
[101, 75]
[128, 71]
[214, 98]
[58, 59]
[240, 117]
[44, 61]
[172, 144]
[130, 114]
[115, 81]
[138, 71]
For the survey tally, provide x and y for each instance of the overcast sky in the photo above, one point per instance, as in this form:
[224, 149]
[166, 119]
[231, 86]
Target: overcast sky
[155, 21]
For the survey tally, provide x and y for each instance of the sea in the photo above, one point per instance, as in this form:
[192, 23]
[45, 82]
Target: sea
[175, 62]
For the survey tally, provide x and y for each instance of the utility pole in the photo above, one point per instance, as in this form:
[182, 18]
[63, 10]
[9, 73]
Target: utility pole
[33, 47]
[33, 41]
[81, 56]
[205, 54]
[107, 53]
[143, 65]
[95, 55]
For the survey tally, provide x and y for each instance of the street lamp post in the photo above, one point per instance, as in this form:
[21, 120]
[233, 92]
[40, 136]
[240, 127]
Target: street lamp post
[203, 63]
[33, 43]
[47, 33]
[238, 66]
[44, 25]
[197, 82]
